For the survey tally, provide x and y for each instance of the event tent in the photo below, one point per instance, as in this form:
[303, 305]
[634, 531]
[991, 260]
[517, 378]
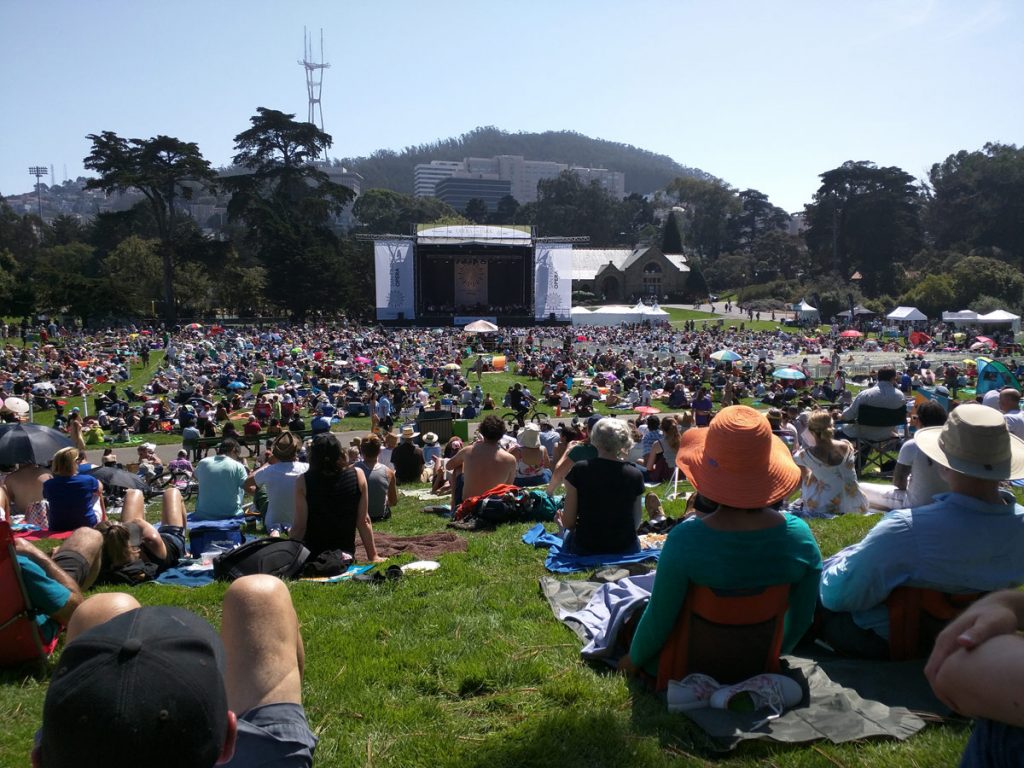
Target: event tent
[906, 315]
[1000, 317]
[616, 314]
[858, 311]
[805, 311]
[964, 316]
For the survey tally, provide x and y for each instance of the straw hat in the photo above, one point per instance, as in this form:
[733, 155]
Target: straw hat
[408, 433]
[286, 446]
[737, 461]
[430, 438]
[529, 437]
[975, 442]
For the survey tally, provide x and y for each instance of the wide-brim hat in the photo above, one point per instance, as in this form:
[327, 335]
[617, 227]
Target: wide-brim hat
[737, 461]
[430, 438]
[409, 433]
[529, 437]
[975, 442]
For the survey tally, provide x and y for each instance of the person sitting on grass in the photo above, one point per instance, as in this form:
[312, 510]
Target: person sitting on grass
[742, 471]
[74, 500]
[382, 490]
[221, 481]
[278, 477]
[482, 465]
[135, 540]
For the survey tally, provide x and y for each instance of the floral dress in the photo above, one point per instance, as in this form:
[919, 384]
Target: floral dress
[828, 489]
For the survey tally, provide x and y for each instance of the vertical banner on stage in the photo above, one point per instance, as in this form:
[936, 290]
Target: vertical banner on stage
[553, 281]
[394, 272]
[470, 283]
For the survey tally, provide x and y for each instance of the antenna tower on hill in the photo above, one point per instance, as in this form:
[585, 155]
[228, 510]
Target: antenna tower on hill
[314, 76]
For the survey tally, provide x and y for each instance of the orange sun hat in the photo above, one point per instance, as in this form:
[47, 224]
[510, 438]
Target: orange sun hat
[737, 461]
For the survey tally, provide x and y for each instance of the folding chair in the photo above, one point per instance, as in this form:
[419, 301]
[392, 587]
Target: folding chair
[879, 452]
[917, 615]
[20, 642]
[730, 635]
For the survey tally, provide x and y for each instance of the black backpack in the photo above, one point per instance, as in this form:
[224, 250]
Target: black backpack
[283, 558]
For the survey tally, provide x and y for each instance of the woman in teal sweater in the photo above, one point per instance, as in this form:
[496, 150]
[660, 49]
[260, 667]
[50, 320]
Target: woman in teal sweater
[738, 465]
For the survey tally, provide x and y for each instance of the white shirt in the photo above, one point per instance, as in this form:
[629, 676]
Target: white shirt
[1015, 423]
[883, 395]
[279, 480]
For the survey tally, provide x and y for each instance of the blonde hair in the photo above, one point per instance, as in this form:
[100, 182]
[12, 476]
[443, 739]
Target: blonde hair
[820, 423]
[65, 462]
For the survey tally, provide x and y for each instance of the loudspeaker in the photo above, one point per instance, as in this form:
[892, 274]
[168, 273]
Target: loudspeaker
[401, 315]
[551, 317]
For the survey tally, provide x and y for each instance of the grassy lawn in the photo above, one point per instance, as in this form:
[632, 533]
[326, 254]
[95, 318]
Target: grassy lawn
[679, 316]
[467, 666]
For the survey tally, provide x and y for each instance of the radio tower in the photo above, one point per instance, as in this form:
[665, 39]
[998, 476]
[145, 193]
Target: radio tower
[314, 75]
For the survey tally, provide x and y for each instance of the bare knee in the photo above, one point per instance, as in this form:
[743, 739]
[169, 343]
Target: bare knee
[99, 609]
[85, 541]
[259, 593]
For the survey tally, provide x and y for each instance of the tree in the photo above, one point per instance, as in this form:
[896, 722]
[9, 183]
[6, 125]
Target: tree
[729, 270]
[931, 294]
[756, 217]
[383, 211]
[566, 206]
[287, 204]
[476, 210]
[505, 211]
[708, 207]
[134, 266]
[867, 219]
[165, 170]
[672, 236]
[974, 276]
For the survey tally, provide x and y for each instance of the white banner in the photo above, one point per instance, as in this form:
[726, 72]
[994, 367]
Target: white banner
[553, 281]
[470, 283]
[394, 270]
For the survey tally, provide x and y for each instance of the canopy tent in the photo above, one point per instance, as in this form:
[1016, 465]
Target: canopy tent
[805, 311]
[612, 314]
[963, 317]
[651, 312]
[858, 311]
[480, 326]
[1001, 317]
[906, 315]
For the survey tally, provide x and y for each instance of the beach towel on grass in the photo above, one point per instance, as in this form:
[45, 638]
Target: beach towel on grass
[33, 533]
[560, 561]
[829, 711]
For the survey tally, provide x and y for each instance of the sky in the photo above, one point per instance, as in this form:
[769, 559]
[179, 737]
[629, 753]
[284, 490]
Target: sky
[762, 95]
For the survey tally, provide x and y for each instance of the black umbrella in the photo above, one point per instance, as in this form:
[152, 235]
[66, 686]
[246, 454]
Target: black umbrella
[113, 477]
[30, 443]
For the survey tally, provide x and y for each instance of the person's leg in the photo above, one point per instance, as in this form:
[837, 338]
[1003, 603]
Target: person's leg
[265, 656]
[134, 508]
[5, 505]
[172, 511]
[840, 631]
[79, 556]
[884, 497]
[99, 609]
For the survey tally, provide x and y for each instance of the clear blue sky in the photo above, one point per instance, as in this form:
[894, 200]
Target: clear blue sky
[763, 95]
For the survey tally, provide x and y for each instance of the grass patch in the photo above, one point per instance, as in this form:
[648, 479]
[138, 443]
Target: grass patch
[467, 666]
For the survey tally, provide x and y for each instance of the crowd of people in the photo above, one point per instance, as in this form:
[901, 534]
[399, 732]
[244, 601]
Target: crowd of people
[955, 526]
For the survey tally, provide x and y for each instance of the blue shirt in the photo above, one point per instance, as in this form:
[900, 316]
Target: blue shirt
[71, 501]
[221, 482]
[956, 544]
[45, 596]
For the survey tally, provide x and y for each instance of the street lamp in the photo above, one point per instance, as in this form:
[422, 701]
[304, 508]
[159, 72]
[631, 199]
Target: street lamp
[38, 171]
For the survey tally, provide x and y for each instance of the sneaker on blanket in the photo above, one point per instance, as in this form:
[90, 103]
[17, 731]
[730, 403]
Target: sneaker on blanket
[775, 693]
[692, 692]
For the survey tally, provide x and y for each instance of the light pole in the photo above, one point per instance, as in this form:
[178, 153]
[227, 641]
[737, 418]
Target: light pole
[38, 171]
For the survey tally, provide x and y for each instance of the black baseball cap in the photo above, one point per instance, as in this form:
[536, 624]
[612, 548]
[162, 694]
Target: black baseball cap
[145, 688]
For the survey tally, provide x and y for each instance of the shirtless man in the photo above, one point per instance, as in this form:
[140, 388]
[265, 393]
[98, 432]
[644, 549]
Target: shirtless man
[484, 463]
[25, 491]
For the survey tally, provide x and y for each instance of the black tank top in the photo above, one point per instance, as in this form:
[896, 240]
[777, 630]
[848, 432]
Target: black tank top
[333, 502]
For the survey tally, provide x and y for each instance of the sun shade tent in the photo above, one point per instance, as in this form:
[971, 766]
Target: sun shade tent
[858, 311]
[1001, 317]
[906, 315]
[611, 314]
[805, 311]
[963, 317]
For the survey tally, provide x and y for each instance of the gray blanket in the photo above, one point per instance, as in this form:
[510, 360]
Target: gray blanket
[830, 710]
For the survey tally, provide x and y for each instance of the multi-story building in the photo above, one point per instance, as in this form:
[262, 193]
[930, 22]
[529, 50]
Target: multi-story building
[426, 175]
[457, 191]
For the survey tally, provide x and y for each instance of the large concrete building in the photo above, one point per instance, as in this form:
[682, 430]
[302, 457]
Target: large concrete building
[522, 174]
[457, 191]
[625, 274]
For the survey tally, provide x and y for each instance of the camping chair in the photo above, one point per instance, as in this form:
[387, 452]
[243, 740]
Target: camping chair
[917, 615]
[730, 635]
[879, 452]
[19, 635]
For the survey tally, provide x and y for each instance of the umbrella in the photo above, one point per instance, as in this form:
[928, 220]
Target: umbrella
[969, 361]
[16, 405]
[726, 356]
[112, 477]
[646, 410]
[453, 367]
[193, 326]
[381, 369]
[362, 360]
[919, 337]
[24, 443]
[851, 334]
[236, 385]
[480, 326]
[581, 338]
[790, 374]
[987, 340]
[978, 345]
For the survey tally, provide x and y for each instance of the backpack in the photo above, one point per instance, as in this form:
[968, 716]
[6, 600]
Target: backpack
[130, 574]
[283, 558]
[332, 562]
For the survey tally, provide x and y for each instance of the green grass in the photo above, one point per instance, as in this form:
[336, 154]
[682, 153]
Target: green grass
[466, 666]
[679, 316]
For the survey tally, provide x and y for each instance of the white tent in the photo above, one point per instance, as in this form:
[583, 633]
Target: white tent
[805, 311]
[612, 314]
[906, 315]
[655, 313]
[1001, 317]
[963, 317]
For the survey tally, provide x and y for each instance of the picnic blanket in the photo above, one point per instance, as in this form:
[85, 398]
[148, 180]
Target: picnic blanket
[830, 710]
[199, 576]
[33, 533]
[426, 546]
[561, 561]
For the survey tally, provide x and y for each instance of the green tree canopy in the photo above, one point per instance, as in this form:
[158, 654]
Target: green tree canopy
[708, 207]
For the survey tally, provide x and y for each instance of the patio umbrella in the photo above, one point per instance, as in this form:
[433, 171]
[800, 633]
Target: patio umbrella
[16, 405]
[789, 374]
[113, 477]
[726, 356]
[452, 367]
[362, 360]
[236, 385]
[978, 345]
[381, 369]
[194, 326]
[851, 334]
[480, 326]
[987, 340]
[23, 443]
[646, 410]
[919, 337]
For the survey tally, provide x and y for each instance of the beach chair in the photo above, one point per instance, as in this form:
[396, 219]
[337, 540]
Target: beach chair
[917, 615]
[20, 642]
[884, 451]
[730, 635]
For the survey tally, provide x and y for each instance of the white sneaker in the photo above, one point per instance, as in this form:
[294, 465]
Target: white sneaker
[775, 693]
[692, 692]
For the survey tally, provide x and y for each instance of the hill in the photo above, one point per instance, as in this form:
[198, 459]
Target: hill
[645, 171]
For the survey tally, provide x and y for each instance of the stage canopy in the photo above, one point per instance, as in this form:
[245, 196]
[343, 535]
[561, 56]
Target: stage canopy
[906, 315]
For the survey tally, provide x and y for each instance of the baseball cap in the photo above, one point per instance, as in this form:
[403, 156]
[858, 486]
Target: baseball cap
[593, 420]
[144, 688]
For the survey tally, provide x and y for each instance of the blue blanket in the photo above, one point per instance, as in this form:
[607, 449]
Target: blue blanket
[559, 561]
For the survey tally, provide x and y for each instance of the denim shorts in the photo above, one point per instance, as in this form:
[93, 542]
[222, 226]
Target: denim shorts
[275, 734]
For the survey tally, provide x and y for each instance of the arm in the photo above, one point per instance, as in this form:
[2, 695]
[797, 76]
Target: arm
[977, 665]
[301, 510]
[250, 483]
[803, 594]
[561, 469]
[901, 476]
[57, 574]
[652, 455]
[363, 524]
[392, 488]
[570, 507]
[671, 581]
[862, 575]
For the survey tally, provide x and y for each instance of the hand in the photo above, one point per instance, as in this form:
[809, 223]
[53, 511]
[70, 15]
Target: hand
[627, 667]
[989, 617]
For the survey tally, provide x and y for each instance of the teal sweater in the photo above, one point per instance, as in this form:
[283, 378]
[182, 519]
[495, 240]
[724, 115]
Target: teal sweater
[694, 552]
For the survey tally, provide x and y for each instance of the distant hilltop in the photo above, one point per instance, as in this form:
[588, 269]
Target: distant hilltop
[645, 171]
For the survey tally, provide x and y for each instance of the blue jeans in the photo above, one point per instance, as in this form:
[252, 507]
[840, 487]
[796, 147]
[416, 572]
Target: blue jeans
[993, 745]
[528, 482]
